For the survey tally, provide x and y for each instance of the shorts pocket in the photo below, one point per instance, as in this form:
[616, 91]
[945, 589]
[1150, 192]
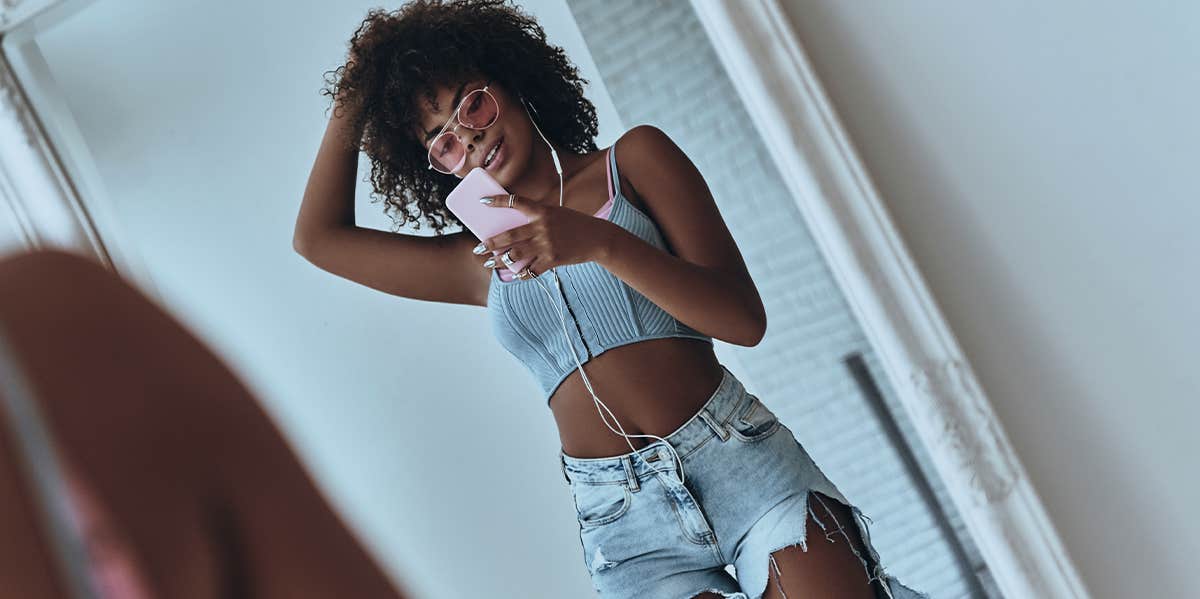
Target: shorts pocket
[753, 421]
[600, 504]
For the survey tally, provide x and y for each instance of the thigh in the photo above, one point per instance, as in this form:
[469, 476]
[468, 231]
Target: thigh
[828, 564]
[636, 545]
[802, 536]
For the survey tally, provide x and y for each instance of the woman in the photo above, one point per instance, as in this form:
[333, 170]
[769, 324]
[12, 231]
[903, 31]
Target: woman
[697, 473]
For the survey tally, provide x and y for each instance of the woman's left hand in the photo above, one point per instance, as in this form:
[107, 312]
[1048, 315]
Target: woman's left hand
[555, 235]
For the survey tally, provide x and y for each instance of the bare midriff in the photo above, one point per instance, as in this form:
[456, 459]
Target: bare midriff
[651, 387]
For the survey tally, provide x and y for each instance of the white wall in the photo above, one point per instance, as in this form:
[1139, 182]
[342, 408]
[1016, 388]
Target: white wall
[1040, 161]
[11, 238]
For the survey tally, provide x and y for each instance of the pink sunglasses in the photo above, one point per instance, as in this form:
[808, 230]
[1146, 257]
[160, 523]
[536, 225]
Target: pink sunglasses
[478, 110]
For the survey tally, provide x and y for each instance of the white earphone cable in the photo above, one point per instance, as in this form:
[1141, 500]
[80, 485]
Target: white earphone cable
[587, 383]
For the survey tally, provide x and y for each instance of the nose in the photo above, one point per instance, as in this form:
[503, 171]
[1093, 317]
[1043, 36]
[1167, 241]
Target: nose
[471, 135]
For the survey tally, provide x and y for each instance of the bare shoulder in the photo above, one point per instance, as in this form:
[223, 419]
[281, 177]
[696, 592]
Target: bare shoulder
[662, 177]
[642, 144]
[635, 151]
[678, 199]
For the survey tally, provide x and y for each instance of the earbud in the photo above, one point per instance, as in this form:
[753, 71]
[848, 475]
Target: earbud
[553, 152]
[528, 104]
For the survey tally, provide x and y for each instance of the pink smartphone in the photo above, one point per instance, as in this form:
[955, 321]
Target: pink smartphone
[484, 221]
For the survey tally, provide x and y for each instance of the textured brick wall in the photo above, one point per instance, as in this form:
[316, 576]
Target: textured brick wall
[660, 68]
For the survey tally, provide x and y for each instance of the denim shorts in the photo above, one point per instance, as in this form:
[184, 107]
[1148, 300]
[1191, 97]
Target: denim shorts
[745, 495]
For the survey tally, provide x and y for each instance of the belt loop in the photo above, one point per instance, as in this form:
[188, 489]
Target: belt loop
[562, 465]
[630, 473]
[713, 424]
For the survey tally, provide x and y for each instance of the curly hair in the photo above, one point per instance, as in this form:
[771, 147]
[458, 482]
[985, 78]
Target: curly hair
[398, 58]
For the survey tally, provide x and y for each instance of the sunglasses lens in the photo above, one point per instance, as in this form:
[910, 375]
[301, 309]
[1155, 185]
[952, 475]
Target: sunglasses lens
[446, 152]
[479, 111]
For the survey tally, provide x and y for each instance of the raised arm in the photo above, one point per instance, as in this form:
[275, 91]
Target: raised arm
[439, 268]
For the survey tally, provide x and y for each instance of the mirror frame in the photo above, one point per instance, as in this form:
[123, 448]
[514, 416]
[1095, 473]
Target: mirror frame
[44, 175]
[42, 189]
[926, 366]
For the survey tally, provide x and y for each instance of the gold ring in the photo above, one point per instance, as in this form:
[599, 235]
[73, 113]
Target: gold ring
[526, 273]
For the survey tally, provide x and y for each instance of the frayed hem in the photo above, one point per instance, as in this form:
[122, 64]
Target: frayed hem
[875, 572]
[725, 594]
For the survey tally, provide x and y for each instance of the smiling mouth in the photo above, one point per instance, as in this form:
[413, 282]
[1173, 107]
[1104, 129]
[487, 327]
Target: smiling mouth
[491, 156]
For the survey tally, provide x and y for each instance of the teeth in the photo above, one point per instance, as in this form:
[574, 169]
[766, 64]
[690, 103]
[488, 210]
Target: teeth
[488, 161]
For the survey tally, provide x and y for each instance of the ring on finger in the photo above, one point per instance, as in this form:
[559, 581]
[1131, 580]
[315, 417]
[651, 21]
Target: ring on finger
[506, 258]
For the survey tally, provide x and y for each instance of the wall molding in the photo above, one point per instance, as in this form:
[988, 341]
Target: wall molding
[16, 12]
[48, 186]
[34, 184]
[922, 359]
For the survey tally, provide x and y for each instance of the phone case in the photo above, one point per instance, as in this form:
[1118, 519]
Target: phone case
[485, 221]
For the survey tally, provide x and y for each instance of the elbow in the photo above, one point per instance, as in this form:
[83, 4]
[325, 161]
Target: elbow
[757, 333]
[752, 325]
[757, 327]
[306, 238]
[750, 335]
[755, 315]
[302, 244]
[759, 337]
[299, 244]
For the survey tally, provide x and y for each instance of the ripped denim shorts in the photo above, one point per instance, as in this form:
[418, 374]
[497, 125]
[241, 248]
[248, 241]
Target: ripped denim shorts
[746, 490]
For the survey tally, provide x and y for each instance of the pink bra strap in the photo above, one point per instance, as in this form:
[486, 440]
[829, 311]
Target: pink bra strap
[608, 171]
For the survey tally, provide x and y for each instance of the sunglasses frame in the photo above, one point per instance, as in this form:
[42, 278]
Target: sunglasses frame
[454, 118]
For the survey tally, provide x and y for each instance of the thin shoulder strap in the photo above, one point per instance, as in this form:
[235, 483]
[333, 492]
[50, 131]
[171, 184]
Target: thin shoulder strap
[608, 167]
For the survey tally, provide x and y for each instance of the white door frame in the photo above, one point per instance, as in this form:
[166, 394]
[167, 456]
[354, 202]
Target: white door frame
[922, 358]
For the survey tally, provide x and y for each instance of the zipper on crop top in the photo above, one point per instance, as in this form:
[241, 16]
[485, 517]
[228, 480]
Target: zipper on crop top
[576, 321]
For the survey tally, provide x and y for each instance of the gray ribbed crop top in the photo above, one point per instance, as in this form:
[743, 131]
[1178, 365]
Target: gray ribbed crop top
[606, 312]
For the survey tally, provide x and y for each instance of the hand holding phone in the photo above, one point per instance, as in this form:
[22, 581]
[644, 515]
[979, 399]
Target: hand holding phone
[485, 221]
